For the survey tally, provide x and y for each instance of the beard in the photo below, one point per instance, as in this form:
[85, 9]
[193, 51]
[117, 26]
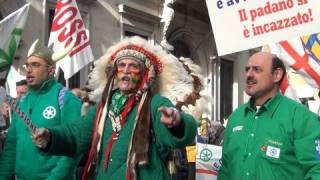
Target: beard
[127, 84]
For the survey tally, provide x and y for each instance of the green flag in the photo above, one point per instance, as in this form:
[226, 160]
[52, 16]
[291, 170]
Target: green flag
[11, 29]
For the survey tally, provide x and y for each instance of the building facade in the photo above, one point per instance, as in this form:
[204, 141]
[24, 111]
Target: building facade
[184, 24]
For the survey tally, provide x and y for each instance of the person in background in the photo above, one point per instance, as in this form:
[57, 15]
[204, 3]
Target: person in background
[3, 121]
[47, 103]
[21, 89]
[130, 131]
[83, 95]
[271, 136]
[3, 93]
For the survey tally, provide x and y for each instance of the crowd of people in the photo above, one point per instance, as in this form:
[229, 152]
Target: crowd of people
[121, 127]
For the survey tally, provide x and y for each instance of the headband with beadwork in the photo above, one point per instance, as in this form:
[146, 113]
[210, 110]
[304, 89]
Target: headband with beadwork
[138, 53]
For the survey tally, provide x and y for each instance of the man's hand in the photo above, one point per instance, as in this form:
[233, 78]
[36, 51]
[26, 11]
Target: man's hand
[41, 137]
[170, 116]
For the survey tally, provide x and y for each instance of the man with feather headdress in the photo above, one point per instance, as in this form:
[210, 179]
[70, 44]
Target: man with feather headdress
[132, 127]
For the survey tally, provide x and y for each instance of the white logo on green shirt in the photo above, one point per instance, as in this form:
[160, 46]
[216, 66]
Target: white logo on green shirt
[49, 112]
[237, 128]
[273, 152]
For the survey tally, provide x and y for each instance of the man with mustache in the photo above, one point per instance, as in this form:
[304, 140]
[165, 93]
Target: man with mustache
[271, 137]
[47, 103]
[130, 131]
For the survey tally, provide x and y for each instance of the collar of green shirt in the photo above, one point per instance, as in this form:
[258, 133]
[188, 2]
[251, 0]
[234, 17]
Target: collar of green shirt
[269, 106]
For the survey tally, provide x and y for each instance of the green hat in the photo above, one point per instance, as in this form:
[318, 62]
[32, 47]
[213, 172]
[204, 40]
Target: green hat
[47, 53]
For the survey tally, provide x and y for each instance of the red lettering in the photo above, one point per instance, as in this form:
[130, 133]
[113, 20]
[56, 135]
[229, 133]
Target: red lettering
[56, 24]
[81, 37]
[63, 35]
[63, 16]
[60, 4]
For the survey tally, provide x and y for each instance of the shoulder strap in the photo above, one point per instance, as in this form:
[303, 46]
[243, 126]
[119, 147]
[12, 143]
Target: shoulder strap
[62, 92]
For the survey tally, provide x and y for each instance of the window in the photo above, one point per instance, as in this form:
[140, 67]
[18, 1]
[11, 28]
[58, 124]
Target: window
[130, 33]
[181, 49]
[226, 88]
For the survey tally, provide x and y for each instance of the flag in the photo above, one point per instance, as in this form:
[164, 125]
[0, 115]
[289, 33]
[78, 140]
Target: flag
[302, 55]
[208, 161]
[285, 87]
[67, 26]
[11, 29]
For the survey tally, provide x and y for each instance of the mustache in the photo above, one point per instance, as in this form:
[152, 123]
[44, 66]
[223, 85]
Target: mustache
[126, 78]
[251, 79]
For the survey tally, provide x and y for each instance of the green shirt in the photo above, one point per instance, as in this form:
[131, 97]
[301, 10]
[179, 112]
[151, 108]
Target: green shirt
[20, 155]
[76, 138]
[279, 142]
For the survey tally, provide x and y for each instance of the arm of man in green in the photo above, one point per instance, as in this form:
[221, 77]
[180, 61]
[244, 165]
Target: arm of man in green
[69, 113]
[75, 138]
[64, 166]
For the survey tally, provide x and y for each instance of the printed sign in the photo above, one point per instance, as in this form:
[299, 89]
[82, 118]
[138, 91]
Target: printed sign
[244, 24]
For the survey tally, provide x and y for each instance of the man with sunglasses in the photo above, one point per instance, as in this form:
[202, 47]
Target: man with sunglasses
[47, 104]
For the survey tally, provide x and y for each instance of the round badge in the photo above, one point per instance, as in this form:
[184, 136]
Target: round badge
[205, 155]
[49, 112]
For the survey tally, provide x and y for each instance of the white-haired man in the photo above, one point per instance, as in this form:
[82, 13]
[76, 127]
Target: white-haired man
[131, 129]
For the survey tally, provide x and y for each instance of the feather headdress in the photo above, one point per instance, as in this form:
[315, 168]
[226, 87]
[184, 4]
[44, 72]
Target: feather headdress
[172, 78]
[175, 79]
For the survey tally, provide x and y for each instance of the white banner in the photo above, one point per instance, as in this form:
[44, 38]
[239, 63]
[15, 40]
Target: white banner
[244, 24]
[208, 161]
[11, 29]
[68, 25]
[300, 58]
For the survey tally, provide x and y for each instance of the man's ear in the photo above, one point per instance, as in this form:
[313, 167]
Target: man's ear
[278, 74]
[52, 70]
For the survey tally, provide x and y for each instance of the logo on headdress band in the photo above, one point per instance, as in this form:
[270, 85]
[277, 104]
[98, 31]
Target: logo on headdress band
[311, 44]
[139, 53]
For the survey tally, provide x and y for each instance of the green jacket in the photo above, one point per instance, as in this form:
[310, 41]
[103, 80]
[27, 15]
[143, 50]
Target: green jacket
[20, 156]
[75, 138]
[279, 142]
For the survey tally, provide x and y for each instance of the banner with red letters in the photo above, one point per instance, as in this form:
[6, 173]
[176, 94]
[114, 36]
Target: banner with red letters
[244, 24]
[68, 25]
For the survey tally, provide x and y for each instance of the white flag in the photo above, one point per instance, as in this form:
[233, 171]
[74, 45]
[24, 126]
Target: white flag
[11, 29]
[285, 86]
[208, 161]
[301, 56]
[68, 25]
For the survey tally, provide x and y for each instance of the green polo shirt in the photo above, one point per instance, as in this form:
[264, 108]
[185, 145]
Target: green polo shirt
[280, 141]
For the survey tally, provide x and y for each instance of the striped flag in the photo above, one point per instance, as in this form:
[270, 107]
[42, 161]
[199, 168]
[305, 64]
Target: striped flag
[285, 86]
[68, 25]
[302, 55]
[11, 28]
[287, 89]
